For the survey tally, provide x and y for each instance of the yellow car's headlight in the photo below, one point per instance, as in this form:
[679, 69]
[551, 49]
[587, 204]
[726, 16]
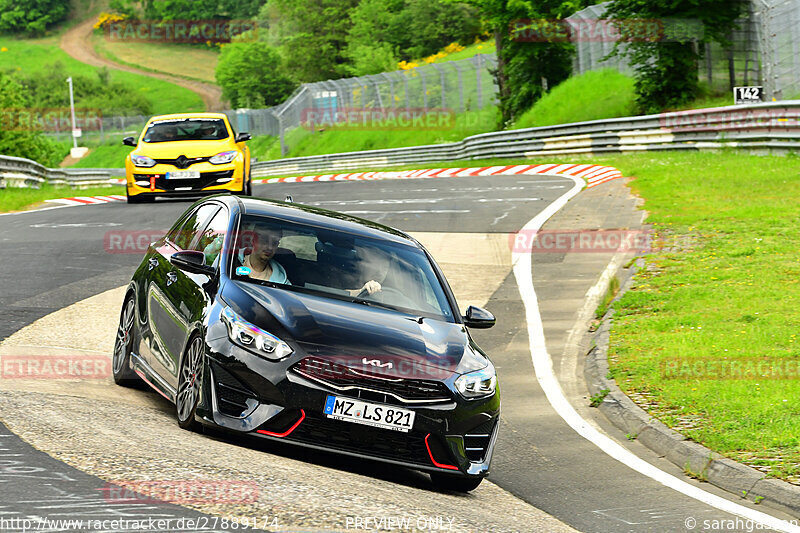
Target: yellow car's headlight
[223, 157]
[142, 161]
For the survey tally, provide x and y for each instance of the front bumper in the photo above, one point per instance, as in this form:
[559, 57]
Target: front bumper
[274, 402]
[213, 178]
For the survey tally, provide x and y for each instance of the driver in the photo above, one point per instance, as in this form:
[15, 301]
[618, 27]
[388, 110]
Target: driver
[207, 131]
[261, 262]
[373, 264]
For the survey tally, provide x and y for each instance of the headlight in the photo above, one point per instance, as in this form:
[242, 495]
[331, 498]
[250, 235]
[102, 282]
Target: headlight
[142, 161]
[223, 157]
[254, 338]
[477, 384]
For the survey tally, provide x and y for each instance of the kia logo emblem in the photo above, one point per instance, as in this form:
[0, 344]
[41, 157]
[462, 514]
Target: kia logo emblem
[376, 362]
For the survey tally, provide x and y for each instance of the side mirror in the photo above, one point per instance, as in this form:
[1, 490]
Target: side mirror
[129, 141]
[241, 137]
[478, 318]
[192, 261]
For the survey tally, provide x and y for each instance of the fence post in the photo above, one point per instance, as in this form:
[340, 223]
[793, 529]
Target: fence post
[442, 83]
[424, 88]
[479, 68]
[391, 88]
[405, 79]
[460, 84]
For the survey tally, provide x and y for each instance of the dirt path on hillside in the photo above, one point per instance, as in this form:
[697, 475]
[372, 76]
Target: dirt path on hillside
[76, 42]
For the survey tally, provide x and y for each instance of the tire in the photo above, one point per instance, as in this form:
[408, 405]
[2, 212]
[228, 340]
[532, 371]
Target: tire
[121, 359]
[133, 199]
[189, 380]
[139, 199]
[453, 483]
[249, 187]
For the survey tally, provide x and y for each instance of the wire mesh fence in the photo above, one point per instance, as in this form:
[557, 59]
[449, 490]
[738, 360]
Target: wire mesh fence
[765, 50]
[454, 86]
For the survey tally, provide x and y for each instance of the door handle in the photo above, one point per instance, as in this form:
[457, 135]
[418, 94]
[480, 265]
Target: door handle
[172, 277]
[152, 263]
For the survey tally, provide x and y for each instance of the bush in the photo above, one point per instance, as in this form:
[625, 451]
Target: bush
[252, 75]
[32, 17]
[48, 89]
[25, 143]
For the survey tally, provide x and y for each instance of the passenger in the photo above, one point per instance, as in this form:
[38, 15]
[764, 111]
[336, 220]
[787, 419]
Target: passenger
[261, 262]
[207, 131]
[373, 264]
[169, 133]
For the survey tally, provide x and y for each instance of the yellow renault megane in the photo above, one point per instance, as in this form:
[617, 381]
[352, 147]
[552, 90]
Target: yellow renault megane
[188, 154]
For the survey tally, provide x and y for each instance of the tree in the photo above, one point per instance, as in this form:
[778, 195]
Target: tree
[188, 9]
[32, 17]
[666, 70]
[380, 36]
[524, 67]
[252, 75]
[311, 34]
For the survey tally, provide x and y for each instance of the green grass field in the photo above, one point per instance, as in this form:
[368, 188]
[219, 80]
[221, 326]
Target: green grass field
[185, 60]
[594, 95]
[13, 199]
[36, 55]
[724, 291]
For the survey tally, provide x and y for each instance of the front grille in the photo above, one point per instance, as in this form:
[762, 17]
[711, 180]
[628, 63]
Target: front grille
[182, 161]
[476, 441]
[371, 387]
[206, 180]
[232, 395]
[357, 438]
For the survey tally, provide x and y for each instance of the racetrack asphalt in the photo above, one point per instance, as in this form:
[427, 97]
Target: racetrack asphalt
[59, 259]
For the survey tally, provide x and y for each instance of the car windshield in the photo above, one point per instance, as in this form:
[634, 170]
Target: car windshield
[339, 265]
[187, 129]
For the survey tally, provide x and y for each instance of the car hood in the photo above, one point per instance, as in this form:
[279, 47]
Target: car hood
[358, 335]
[191, 149]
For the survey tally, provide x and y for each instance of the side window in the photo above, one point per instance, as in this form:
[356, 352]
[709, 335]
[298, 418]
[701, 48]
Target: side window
[211, 238]
[197, 220]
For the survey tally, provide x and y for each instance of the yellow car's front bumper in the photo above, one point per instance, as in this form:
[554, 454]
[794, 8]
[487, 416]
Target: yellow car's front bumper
[212, 178]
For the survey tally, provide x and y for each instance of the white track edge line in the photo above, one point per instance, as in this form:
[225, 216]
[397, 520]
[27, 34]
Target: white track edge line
[543, 367]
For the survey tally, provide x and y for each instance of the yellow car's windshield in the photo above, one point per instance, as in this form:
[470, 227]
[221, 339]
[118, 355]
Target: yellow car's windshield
[188, 129]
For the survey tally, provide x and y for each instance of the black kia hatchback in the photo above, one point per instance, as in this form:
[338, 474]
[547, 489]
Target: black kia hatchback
[293, 323]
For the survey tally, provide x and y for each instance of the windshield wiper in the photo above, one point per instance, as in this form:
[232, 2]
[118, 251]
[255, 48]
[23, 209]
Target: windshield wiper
[373, 303]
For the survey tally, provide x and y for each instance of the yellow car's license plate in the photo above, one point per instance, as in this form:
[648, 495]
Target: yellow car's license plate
[183, 175]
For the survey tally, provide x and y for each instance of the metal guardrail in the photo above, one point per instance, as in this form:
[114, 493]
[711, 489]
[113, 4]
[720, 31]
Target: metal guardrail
[764, 128]
[21, 172]
[769, 127]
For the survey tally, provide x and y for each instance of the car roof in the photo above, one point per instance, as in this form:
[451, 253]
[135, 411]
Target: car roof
[189, 115]
[324, 218]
